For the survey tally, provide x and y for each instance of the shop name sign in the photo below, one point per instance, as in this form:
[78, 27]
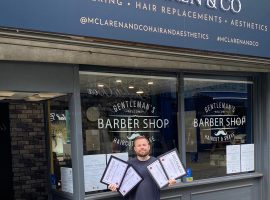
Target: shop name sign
[220, 119]
[225, 5]
[132, 117]
[138, 122]
[133, 122]
[234, 6]
[226, 26]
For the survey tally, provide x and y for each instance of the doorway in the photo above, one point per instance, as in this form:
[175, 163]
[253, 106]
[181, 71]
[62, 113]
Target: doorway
[23, 145]
[5, 154]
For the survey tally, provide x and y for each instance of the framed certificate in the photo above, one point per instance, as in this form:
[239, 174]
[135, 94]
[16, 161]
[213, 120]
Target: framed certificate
[158, 174]
[131, 179]
[114, 171]
[172, 164]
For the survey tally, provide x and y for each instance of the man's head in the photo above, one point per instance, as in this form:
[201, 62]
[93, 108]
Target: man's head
[142, 146]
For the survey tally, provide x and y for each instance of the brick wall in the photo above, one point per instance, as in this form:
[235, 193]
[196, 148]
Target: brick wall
[28, 148]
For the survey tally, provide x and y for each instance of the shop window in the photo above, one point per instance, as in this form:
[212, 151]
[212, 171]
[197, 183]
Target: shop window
[59, 130]
[217, 113]
[116, 108]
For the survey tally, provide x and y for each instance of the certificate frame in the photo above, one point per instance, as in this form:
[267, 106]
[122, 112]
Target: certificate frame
[176, 163]
[162, 179]
[136, 182]
[110, 175]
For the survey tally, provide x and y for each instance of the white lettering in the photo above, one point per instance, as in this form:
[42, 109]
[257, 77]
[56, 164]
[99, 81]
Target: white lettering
[222, 6]
[145, 6]
[211, 4]
[132, 123]
[226, 5]
[235, 121]
[208, 122]
[100, 123]
[238, 5]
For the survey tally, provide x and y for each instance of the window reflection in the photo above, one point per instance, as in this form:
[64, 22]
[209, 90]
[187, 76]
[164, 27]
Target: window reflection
[59, 128]
[217, 113]
[118, 107]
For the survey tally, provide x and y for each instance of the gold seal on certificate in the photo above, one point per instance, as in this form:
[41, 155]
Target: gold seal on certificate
[114, 172]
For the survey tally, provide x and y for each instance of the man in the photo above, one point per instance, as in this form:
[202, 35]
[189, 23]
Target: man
[147, 189]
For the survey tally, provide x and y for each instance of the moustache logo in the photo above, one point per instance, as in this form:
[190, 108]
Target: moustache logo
[220, 132]
[133, 136]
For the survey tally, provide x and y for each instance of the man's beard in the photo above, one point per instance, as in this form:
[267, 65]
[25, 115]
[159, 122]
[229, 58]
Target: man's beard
[144, 154]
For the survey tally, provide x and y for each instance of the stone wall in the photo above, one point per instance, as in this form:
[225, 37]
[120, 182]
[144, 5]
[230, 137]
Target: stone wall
[28, 146]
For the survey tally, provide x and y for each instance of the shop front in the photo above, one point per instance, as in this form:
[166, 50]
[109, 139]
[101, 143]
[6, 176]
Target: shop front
[216, 114]
[212, 119]
[77, 87]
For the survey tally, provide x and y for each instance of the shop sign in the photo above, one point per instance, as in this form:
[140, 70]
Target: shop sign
[221, 120]
[133, 118]
[226, 26]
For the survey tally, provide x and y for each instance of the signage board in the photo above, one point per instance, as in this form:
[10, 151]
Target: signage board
[228, 26]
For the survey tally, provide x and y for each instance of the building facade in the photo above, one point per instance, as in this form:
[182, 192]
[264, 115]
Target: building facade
[72, 97]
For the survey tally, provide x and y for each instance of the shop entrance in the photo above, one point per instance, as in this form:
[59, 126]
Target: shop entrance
[5, 154]
[25, 89]
[24, 145]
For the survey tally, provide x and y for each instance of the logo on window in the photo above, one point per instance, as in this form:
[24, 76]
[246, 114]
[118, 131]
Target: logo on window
[132, 118]
[219, 122]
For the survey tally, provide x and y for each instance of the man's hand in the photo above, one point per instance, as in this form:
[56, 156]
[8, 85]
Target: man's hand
[113, 187]
[171, 182]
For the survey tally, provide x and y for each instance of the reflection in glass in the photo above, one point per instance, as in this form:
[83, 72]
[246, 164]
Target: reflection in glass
[123, 108]
[217, 113]
[59, 128]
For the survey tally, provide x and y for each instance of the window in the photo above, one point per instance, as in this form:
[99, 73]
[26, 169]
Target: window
[59, 129]
[118, 107]
[217, 113]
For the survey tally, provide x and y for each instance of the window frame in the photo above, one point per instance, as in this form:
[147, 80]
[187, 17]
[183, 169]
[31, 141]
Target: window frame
[233, 77]
[256, 125]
